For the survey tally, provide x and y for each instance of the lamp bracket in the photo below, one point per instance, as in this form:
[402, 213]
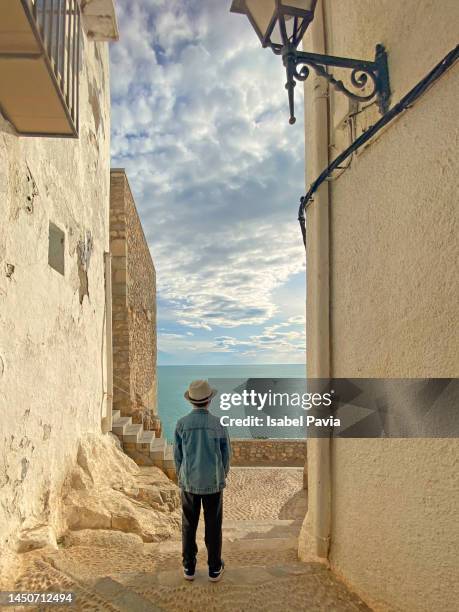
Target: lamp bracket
[372, 76]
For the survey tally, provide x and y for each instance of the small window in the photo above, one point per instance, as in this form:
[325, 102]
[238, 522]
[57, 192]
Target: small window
[56, 252]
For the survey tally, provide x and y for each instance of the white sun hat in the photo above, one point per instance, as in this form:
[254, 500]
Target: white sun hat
[199, 393]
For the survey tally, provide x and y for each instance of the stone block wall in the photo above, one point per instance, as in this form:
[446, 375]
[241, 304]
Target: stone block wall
[133, 305]
[279, 452]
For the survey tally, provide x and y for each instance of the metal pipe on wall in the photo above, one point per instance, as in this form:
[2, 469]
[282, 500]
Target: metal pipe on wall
[315, 533]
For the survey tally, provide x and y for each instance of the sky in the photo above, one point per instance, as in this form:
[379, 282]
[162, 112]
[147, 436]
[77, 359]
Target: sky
[200, 123]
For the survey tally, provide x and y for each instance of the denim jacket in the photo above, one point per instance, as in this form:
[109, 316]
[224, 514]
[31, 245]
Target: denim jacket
[202, 452]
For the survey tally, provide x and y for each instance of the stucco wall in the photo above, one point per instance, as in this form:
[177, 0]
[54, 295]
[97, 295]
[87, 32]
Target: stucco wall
[393, 213]
[393, 299]
[134, 303]
[52, 326]
[394, 525]
[268, 452]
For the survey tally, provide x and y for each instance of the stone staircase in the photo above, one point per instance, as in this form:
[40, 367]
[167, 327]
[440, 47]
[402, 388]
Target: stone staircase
[262, 574]
[143, 446]
[263, 512]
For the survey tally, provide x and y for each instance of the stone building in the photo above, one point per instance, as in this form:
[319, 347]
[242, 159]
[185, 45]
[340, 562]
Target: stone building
[133, 308]
[382, 299]
[54, 245]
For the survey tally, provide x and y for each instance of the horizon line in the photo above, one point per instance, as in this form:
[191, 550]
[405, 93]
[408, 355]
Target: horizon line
[179, 365]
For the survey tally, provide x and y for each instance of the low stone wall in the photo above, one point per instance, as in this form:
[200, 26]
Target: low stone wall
[273, 452]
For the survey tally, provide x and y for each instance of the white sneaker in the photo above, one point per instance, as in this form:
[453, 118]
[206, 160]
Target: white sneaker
[216, 576]
[188, 573]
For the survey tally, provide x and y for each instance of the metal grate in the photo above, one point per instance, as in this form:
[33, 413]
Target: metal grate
[59, 27]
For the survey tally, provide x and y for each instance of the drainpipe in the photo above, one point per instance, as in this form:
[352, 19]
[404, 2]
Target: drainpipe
[315, 533]
[106, 425]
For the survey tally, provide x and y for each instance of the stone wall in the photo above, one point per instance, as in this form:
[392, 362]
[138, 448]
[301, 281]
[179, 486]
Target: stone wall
[53, 353]
[280, 452]
[133, 305]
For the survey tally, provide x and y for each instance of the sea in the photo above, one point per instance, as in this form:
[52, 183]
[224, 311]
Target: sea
[173, 381]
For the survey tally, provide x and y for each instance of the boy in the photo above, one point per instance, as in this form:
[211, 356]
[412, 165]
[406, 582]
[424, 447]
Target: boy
[202, 453]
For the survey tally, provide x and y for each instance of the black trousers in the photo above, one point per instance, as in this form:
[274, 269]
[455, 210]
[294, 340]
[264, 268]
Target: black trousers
[213, 515]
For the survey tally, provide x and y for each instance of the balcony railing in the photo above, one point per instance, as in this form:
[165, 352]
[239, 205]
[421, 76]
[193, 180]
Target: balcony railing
[59, 24]
[39, 65]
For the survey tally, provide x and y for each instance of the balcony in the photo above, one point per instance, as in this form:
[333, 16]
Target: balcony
[39, 66]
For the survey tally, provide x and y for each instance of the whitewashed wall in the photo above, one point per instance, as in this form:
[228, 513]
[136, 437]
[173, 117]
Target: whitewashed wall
[393, 301]
[52, 333]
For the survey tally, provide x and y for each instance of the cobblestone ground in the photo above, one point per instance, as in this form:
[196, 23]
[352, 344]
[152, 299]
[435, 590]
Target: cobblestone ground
[263, 511]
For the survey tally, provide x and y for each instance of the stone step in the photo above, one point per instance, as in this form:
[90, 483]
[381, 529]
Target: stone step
[169, 457]
[157, 452]
[115, 415]
[158, 448]
[148, 435]
[119, 426]
[280, 583]
[132, 433]
[238, 576]
[144, 443]
[261, 529]
[267, 546]
[169, 463]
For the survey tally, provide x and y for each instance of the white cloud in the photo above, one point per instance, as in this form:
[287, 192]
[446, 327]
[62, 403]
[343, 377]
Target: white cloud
[200, 122]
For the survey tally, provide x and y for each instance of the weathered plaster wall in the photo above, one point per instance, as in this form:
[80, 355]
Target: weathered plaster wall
[393, 213]
[52, 327]
[249, 452]
[393, 298]
[394, 521]
[134, 303]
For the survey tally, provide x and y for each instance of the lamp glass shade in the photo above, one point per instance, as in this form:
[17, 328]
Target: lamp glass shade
[262, 15]
[299, 5]
[279, 22]
[275, 38]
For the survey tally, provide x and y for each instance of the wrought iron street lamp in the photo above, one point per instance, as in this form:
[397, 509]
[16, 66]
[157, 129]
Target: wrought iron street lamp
[281, 25]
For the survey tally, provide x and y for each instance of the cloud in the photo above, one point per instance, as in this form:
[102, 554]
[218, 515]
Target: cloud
[200, 122]
[288, 341]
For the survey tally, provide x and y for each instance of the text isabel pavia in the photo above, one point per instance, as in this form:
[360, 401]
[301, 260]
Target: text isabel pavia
[272, 400]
